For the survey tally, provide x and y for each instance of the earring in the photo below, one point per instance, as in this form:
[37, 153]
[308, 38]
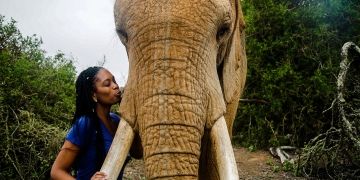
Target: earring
[94, 98]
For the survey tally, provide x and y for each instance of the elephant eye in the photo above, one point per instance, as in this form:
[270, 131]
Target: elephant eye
[122, 35]
[223, 31]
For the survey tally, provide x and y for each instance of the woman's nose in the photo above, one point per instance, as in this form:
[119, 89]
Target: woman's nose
[115, 86]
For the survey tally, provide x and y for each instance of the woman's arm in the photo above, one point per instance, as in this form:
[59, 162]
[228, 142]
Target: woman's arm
[66, 157]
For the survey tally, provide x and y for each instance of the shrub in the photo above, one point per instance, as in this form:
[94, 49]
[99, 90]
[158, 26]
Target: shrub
[293, 51]
[36, 104]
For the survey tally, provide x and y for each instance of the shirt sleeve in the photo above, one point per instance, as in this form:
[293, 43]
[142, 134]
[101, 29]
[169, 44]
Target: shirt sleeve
[77, 134]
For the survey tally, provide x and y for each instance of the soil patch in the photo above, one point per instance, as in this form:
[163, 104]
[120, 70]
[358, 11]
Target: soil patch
[251, 165]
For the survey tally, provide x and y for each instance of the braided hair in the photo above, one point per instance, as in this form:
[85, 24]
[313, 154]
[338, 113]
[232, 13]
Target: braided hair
[85, 106]
[85, 87]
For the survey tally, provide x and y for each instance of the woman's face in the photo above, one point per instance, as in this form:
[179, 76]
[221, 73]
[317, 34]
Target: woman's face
[106, 91]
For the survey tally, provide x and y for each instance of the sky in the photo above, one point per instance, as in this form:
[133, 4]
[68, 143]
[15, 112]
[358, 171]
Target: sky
[82, 29]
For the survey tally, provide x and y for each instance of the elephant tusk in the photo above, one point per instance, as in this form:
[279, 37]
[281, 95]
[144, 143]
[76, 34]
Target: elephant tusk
[224, 154]
[118, 151]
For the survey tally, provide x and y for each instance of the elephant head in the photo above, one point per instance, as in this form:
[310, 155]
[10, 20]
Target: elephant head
[187, 68]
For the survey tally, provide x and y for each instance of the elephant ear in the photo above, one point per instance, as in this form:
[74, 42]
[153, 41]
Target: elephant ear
[232, 58]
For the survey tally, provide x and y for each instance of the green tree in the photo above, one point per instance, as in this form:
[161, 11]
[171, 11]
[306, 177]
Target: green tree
[293, 50]
[36, 104]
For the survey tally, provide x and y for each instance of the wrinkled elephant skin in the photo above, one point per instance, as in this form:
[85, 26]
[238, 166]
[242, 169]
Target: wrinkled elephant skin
[187, 68]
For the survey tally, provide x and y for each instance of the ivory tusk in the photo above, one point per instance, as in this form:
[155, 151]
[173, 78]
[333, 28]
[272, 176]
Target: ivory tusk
[224, 154]
[118, 151]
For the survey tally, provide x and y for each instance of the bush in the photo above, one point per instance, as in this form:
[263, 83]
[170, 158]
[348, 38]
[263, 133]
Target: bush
[36, 104]
[29, 148]
[293, 50]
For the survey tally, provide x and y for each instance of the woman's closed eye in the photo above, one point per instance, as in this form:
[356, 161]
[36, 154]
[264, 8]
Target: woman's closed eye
[107, 83]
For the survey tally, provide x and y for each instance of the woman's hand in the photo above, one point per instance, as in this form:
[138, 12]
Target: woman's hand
[99, 176]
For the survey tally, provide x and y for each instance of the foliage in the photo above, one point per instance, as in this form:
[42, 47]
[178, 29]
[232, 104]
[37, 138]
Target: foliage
[293, 51]
[335, 153]
[36, 104]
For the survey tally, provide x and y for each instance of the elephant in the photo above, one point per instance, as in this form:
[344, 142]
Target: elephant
[187, 71]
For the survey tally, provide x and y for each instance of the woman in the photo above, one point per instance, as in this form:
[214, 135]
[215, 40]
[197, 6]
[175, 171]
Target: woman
[93, 129]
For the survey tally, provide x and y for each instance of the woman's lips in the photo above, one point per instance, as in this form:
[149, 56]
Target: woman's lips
[118, 93]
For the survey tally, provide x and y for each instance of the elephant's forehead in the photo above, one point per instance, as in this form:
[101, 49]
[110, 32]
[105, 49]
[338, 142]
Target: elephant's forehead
[154, 11]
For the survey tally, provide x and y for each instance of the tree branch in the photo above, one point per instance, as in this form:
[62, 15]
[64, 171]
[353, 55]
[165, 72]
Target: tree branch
[261, 101]
[344, 67]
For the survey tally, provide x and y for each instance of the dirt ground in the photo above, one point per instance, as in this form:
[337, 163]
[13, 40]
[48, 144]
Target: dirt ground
[257, 165]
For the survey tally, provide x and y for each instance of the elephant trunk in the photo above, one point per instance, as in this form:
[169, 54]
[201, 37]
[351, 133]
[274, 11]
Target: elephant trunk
[171, 105]
[171, 127]
[170, 153]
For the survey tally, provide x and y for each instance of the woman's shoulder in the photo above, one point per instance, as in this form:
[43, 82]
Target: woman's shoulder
[82, 121]
[83, 124]
[79, 132]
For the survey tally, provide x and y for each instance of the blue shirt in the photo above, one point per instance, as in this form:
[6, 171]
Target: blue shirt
[84, 136]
